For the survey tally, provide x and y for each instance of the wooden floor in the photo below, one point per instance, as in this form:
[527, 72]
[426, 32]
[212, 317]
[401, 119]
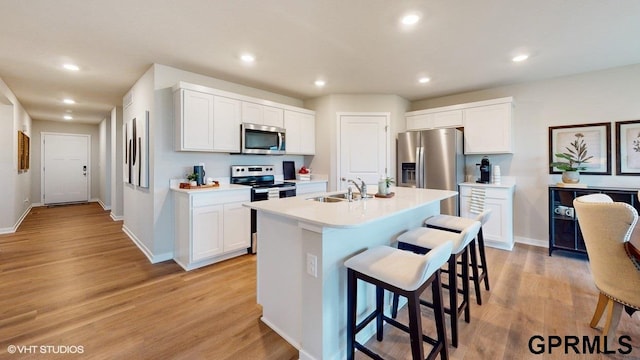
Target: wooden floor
[69, 277]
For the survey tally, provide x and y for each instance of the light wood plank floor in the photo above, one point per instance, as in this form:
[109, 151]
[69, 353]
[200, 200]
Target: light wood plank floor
[70, 276]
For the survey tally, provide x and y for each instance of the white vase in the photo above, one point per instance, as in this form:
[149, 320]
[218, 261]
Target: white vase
[571, 177]
[383, 189]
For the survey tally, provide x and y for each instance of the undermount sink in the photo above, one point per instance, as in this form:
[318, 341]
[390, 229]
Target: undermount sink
[332, 198]
[328, 199]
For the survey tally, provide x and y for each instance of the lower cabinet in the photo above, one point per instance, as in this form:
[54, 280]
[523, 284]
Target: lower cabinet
[211, 226]
[498, 231]
[310, 187]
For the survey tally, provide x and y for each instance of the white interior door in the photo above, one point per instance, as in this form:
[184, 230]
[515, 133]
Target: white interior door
[363, 149]
[65, 168]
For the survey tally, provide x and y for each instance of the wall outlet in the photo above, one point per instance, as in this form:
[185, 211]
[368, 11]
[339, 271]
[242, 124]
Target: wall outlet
[312, 265]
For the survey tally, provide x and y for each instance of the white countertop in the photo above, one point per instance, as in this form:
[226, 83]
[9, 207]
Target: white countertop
[222, 187]
[506, 185]
[308, 181]
[346, 214]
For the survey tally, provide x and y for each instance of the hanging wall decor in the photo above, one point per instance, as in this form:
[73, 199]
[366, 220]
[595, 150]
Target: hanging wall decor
[628, 147]
[136, 151]
[595, 137]
[23, 151]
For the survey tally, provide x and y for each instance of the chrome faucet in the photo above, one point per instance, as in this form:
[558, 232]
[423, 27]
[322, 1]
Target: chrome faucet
[362, 188]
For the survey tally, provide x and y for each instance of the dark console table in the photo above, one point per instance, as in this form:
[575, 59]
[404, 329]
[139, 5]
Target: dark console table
[564, 230]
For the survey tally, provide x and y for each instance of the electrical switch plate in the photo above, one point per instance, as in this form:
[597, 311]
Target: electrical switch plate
[312, 265]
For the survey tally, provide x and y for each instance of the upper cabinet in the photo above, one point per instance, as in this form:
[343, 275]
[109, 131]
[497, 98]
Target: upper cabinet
[487, 124]
[262, 114]
[300, 132]
[488, 129]
[205, 122]
[208, 119]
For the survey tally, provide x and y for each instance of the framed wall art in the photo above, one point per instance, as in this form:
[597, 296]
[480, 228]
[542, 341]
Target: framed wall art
[595, 139]
[23, 151]
[628, 147]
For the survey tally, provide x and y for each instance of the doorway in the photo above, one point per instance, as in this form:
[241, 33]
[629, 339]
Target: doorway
[65, 175]
[363, 148]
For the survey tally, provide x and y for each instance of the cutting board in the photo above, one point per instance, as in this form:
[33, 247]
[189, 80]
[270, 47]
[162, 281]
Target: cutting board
[289, 170]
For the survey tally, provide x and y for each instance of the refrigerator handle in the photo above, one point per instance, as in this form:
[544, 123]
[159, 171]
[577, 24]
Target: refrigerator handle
[420, 167]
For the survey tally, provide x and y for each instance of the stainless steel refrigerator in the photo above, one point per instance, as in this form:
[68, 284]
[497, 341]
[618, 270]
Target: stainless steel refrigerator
[432, 159]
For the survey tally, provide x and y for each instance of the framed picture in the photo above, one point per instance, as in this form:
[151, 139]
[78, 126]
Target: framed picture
[594, 138]
[628, 147]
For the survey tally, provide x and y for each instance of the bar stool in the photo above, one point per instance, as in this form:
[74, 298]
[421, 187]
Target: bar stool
[423, 240]
[479, 270]
[404, 273]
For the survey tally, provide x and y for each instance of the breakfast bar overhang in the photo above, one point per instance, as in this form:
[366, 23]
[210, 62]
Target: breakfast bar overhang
[302, 245]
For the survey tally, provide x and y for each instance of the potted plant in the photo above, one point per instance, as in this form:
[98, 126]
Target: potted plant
[384, 184]
[193, 177]
[574, 157]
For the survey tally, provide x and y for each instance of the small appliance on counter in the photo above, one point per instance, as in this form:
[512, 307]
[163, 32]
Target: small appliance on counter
[485, 171]
[289, 170]
[200, 173]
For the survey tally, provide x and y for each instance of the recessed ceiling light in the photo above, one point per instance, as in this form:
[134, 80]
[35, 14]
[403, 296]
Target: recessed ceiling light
[68, 101]
[71, 67]
[320, 83]
[519, 58]
[68, 117]
[410, 19]
[247, 58]
[424, 80]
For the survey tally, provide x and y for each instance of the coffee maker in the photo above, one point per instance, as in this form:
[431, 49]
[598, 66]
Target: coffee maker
[485, 171]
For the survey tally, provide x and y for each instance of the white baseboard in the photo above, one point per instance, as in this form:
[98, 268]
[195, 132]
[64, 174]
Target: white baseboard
[11, 230]
[533, 242]
[152, 258]
[115, 217]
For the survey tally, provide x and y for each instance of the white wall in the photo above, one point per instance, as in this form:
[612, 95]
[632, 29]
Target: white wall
[104, 163]
[149, 213]
[115, 119]
[604, 96]
[40, 126]
[327, 107]
[14, 186]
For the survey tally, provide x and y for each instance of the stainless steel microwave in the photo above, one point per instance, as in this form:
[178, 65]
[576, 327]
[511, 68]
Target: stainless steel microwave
[262, 139]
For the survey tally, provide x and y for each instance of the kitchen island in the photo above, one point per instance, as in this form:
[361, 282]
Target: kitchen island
[302, 245]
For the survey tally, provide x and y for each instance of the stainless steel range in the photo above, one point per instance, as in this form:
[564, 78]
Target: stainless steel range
[261, 178]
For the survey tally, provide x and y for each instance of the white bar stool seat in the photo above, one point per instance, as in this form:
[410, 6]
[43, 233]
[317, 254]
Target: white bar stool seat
[479, 269]
[423, 240]
[400, 272]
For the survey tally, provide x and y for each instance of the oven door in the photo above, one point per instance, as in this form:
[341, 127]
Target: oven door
[262, 139]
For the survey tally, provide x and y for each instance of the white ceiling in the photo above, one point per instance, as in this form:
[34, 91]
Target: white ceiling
[357, 46]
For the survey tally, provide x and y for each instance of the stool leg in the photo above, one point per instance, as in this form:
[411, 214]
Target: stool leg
[465, 285]
[483, 259]
[474, 270]
[352, 293]
[394, 306]
[415, 326]
[379, 312]
[438, 313]
[453, 299]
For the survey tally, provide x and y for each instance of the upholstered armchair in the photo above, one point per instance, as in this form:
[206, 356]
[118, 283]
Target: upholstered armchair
[606, 228]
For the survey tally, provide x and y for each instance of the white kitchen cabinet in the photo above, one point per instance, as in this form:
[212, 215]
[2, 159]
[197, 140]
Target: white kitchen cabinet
[226, 124]
[488, 129]
[237, 219]
[300, 132]
[205, 122]
[430, 119]
[308, 187]
[207, 232]
[262, 114]
[211, 226]
[194, 120]
[498, 231]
